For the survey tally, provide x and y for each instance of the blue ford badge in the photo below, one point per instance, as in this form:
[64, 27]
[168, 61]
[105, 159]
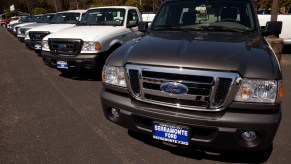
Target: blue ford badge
[174, 88]
[62, 46]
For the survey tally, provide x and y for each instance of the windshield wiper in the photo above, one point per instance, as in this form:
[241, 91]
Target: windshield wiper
[225, 28]
[171, 27]
[82, 24]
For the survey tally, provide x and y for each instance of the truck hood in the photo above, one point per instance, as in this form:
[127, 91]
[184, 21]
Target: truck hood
[87, 33]
[53, 27]
[25, 24]
[34, 25]
[247, 54]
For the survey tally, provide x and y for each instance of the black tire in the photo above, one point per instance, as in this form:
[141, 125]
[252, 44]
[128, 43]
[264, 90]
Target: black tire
[65, 72]
[4, 25]
[47, 62]
[38, 52]
[259, 156]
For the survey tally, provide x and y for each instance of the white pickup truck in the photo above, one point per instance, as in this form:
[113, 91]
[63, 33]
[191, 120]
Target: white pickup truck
[286, 19]
[61, 21]
[86, 46]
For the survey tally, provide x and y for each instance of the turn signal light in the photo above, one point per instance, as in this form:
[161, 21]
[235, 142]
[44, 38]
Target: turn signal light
[97, 46]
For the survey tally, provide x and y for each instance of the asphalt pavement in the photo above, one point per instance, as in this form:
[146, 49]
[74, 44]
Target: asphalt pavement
[46, 117]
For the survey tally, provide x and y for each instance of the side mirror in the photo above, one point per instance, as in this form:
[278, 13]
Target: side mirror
[273, 28]
[131, 24]
[143, 26]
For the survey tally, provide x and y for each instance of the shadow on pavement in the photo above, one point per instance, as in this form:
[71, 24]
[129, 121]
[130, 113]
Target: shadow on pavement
[287, 49]
[198, 153]
[81, 75]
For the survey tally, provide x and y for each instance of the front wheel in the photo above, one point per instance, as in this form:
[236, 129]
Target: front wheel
[4, 25]
[65, 72]
[38, 52]
[259, 156]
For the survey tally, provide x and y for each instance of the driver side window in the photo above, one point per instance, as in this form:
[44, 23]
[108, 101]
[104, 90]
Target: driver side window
[132, 16]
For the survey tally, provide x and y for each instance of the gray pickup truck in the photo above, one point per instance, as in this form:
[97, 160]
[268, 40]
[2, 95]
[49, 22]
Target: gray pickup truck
[214, 82]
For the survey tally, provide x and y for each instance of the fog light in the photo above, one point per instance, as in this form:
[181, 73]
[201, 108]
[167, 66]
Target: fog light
[249, 136]
[115, 112]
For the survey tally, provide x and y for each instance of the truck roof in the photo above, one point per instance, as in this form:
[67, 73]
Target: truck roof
[68, 11]
[129, 7]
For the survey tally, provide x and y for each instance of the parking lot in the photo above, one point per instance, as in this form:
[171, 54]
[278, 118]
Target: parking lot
[48, 118]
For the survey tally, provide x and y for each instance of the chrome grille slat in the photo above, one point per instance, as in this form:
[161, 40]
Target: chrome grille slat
[153, 80]
[207, 90]
[163, 94]
[37, 35]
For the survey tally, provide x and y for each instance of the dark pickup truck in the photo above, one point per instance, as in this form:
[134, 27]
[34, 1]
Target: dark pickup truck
[213, 83]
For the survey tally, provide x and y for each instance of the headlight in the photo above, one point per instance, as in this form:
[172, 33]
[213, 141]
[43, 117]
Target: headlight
[27, 35]
[91, 46]
[114, 75]
[45, 44]
[264, 91]
[18, 31]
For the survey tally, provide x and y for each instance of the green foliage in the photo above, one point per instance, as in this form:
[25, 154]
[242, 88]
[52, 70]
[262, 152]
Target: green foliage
[45, 5]
[38, 10]
[7, 13]
[267, 4]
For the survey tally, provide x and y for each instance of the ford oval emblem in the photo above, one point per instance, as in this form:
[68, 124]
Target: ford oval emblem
[174, 88]
[62, 46]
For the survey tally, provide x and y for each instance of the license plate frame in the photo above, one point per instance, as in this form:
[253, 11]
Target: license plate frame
[172, 133]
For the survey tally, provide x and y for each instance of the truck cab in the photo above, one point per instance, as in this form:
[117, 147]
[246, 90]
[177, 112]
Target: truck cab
[86, 46]
[213, 83]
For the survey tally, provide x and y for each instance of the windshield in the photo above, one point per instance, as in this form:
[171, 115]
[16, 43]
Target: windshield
[27, 19]
[36, 18]
[46, 18]
[106, 16]
[234, 16]
[66, 18]
[22, 19]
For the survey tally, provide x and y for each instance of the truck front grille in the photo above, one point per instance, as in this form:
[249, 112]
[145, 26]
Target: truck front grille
[65, 46]
[37, 35]
[206, 90]
[23, 30]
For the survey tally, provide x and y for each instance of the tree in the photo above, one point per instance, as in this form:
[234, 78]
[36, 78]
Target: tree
[38, 10]
[267, 4]
[132, 3]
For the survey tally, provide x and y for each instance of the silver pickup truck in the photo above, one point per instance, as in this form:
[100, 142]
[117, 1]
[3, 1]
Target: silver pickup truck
[212, 83]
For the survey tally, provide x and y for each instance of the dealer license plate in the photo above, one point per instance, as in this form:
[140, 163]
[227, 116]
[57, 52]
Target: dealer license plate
[171, 133]
[37, 47]
[62, 65]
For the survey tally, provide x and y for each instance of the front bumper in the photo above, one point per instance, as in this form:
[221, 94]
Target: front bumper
[287, 41]
[21, 37]
[80, 61]
[219, 130]
[31, 43]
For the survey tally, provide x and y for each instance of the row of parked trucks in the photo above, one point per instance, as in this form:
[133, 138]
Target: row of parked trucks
[213, 82]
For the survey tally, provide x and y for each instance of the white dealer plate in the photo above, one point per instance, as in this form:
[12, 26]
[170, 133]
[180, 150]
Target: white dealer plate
[37, 47]
[62, 65]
